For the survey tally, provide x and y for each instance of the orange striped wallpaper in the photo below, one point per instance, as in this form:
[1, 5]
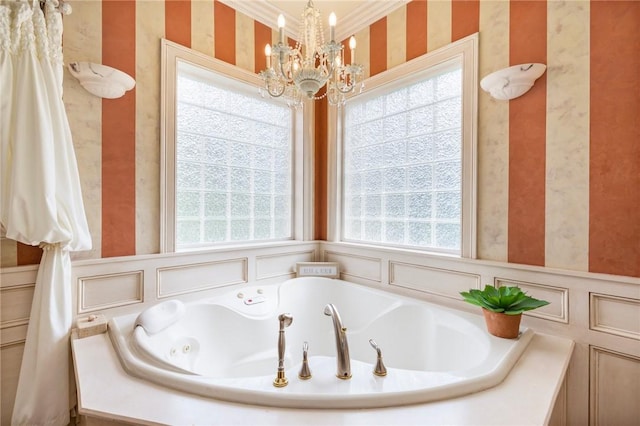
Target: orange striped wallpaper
[417, 29]
[614, 169]
[564, 158]
[527, 137]
[320, 136]
[262, 35]
[465, 18]
[378, 47]
[177, 21]
[118, 133]
[224, 19]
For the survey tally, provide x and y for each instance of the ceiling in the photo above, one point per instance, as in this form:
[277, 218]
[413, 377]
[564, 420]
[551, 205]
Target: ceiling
[352, 15]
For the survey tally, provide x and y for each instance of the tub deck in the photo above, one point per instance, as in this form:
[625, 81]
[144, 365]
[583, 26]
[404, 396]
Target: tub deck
[224, 348]
[107, 392]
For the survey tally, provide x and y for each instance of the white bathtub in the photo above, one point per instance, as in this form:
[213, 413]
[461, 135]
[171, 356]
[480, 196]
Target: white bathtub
[226, 347]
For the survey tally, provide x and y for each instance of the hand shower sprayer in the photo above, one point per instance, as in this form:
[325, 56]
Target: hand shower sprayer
[285, 321]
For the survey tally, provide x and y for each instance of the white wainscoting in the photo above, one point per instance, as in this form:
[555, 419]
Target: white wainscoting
[16, 291]
[601, 313]
[615, 315]
[558, 298]
[99, 292]
[182, 279]
[117, 286]
[615, 388]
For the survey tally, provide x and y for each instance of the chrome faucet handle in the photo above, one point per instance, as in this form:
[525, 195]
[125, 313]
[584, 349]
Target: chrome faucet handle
[380, 369]
[305, 372]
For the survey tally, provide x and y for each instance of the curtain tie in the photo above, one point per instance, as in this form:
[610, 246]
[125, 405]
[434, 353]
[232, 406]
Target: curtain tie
[49, 246]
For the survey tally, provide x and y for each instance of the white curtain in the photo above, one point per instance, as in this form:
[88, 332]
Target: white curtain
[41, 201]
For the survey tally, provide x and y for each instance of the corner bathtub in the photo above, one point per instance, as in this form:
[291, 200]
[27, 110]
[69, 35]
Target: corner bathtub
[226, 347]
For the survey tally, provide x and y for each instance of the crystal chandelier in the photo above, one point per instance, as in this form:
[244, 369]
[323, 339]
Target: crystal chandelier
[312, 63]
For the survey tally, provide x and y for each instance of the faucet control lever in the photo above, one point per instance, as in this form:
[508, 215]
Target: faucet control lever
[305, 372]
[380, 369]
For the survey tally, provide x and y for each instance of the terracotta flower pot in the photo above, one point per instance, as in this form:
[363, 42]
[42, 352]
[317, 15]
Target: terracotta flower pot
[502, 325]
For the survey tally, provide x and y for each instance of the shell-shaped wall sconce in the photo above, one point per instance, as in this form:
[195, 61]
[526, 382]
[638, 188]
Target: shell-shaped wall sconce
[509, 83]
[102, 80]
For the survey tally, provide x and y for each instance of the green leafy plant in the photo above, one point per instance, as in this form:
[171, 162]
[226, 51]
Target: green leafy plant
[506, 300]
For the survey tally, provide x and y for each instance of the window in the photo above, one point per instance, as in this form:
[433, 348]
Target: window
[230, 157]
[407, 150]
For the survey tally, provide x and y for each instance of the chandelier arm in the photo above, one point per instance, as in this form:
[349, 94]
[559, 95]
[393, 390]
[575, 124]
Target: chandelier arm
[331, 70]
[282, 73]
[275, 94]
[332, 64]
[349, 88]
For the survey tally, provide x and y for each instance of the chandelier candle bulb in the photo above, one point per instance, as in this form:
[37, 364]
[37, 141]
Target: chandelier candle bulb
[267, 53]
[281, 28]
[352, 46]
[332, 27]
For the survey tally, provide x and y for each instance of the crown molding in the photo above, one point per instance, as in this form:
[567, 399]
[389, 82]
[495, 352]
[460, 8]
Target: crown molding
[362, 16]
[266, 13]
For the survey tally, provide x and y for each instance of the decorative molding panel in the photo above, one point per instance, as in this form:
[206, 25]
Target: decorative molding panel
[15, 304]
[16, 294]
[558, 298]
[188, 278]
[368, 268]
[13, 333]
[614, 388]
[9, 371]
[615, 315]
[281, 264]
[441, 282]
[110, 291]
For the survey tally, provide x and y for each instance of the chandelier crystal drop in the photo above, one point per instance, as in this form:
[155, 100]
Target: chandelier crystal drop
[303, 70]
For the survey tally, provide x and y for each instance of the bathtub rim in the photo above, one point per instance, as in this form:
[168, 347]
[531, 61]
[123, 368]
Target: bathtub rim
[134, 366]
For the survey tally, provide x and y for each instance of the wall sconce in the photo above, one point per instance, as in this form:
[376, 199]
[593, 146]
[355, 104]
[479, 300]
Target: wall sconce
[101, 80]
[509, 83]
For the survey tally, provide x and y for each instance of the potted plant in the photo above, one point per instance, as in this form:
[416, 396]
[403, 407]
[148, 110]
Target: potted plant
[502, 308]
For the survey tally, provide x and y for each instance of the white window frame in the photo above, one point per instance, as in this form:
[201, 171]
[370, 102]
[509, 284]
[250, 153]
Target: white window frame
[302, 178]
[465, 51]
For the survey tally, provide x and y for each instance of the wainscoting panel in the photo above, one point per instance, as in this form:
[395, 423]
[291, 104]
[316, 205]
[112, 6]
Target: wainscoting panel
[615, 315]
[281, 265]
[13, 332]
[16, 291]
[615, 387]
[10, 360]
[441, 282]
[15, 305]
[558, 298]
[110, 291]
[203, 276]
[363, 267]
